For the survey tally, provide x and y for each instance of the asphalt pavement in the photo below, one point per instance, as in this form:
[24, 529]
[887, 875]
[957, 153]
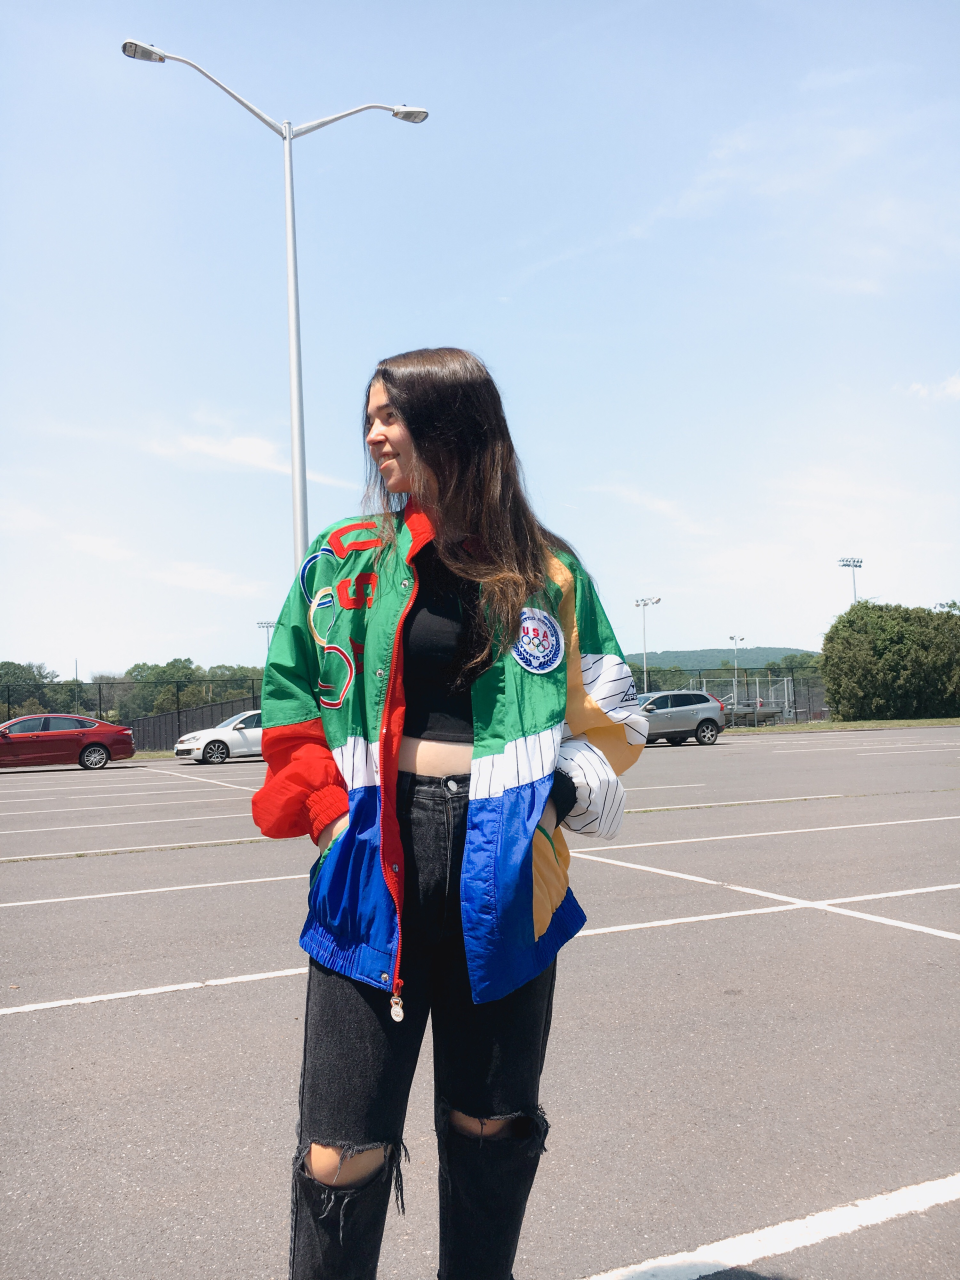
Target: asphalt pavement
[758, 1025]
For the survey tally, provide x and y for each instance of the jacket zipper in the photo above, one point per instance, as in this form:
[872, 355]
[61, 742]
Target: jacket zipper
[396, 1001]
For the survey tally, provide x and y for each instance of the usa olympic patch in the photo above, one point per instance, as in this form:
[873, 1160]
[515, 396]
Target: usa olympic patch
[540, 647]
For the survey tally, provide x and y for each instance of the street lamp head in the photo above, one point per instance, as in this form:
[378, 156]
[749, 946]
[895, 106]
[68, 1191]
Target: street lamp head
[413, 115]
[851, 562]
[143, 52]
[646, 601]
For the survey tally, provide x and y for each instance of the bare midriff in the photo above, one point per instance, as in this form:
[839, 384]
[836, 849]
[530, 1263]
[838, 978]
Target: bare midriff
[434, 759]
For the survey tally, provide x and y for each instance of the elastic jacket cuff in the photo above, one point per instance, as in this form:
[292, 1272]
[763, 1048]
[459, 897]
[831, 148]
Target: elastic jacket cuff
[563, 793]
[324, 807]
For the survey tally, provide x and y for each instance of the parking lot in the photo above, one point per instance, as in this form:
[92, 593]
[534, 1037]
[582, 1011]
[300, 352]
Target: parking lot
[758, 1024]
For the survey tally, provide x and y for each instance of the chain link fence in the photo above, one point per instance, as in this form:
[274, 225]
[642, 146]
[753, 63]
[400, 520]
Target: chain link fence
[158, 711]
[751, 696]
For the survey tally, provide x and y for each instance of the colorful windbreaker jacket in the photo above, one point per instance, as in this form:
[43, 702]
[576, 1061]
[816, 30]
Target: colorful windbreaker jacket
[333, 709]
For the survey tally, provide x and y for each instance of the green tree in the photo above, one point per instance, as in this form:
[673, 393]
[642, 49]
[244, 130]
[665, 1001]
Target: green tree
[806, 664]
[889, 662]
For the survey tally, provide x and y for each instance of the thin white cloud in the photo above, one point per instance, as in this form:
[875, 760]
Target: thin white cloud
[817, 81]
[190, 576]
[100, 546]
[949, 389]
[669, 510]
[20, 517]
[255, 452]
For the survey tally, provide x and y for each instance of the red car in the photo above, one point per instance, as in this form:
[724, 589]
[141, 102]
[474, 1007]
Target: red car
[64, 739]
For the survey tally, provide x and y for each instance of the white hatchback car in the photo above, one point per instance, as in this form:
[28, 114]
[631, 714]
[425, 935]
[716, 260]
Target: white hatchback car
[237, 736]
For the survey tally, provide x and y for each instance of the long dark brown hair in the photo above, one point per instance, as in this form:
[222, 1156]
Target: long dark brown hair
[485, 529]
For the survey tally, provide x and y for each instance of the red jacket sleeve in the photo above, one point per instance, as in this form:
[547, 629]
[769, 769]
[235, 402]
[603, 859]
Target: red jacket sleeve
[304, 790]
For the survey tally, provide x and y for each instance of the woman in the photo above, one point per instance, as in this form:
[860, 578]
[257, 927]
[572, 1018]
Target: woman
[442, 688]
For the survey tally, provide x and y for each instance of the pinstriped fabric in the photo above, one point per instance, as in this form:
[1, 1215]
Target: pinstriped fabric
[599, 807]
[607, 680]
[521, 762]
[359, 762]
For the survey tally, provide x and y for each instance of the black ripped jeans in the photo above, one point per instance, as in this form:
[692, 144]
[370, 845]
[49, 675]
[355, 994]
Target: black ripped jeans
[358, 1066]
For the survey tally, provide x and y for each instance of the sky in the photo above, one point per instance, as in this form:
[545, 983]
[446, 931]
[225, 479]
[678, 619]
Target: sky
[709, 251]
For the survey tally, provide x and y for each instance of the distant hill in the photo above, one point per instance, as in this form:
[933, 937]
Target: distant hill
[700, 659]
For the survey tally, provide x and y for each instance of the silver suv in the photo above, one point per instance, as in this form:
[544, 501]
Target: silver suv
[678, 714]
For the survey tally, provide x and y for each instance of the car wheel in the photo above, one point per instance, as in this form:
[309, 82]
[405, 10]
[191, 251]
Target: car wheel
[215, 753]
[707, 733]
[94, 757]
[676, 742]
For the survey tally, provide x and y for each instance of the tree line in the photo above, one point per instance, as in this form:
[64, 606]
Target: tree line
[144, 689]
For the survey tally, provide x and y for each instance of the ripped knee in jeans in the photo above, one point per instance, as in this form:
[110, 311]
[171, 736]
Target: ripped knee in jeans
[345, 1165]
[528, 1128]
[346, 1168]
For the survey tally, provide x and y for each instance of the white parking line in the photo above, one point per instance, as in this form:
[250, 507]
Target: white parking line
[771, 1242]
[139, 822]
[101, 808]
[794, 831]
[669, 786]
[213, 782]
[797, 751]
[721, 804]
[659, 924]
[170, 888]
[134, 848]
[821, 905]
[896, 893]
[152, 991]
[160, 788]
[925, 751]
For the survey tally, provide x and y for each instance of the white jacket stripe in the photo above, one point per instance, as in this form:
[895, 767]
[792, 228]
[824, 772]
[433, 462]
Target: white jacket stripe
[521, 762]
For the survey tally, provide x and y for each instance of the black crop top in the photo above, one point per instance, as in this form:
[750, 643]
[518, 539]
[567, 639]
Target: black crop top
[438, 638]
[436, 635]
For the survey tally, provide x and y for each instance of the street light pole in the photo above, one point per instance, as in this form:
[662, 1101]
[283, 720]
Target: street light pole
[638, 603]
[298, 446]
[853, 563]
[736, 640]
[288, 132]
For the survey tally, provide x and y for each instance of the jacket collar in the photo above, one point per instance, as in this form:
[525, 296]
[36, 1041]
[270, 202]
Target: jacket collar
[420, 527]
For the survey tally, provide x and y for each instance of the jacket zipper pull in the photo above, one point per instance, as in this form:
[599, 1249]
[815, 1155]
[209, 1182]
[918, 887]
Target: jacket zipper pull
[396, 1008]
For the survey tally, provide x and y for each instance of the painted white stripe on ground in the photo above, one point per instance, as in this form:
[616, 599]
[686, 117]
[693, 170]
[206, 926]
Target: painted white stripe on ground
[796, 751]
[170, 888]
[106, 808]
[925, 751]
[896, 893]
[159, 788]
[144, 822]
[897, 924]
[821, 905]
[771, 1242]
[659, 924]
[212, 782]
[153, 991]
[793, 831]
[669, 786]
[134, 848]
[721, 804]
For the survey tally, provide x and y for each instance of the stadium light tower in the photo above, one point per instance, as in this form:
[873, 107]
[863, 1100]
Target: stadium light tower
[267, 627]
[853, 563]
[647, 600]
[287, 131]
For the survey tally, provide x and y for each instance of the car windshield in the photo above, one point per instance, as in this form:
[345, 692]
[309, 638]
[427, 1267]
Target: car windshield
[231, 720]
